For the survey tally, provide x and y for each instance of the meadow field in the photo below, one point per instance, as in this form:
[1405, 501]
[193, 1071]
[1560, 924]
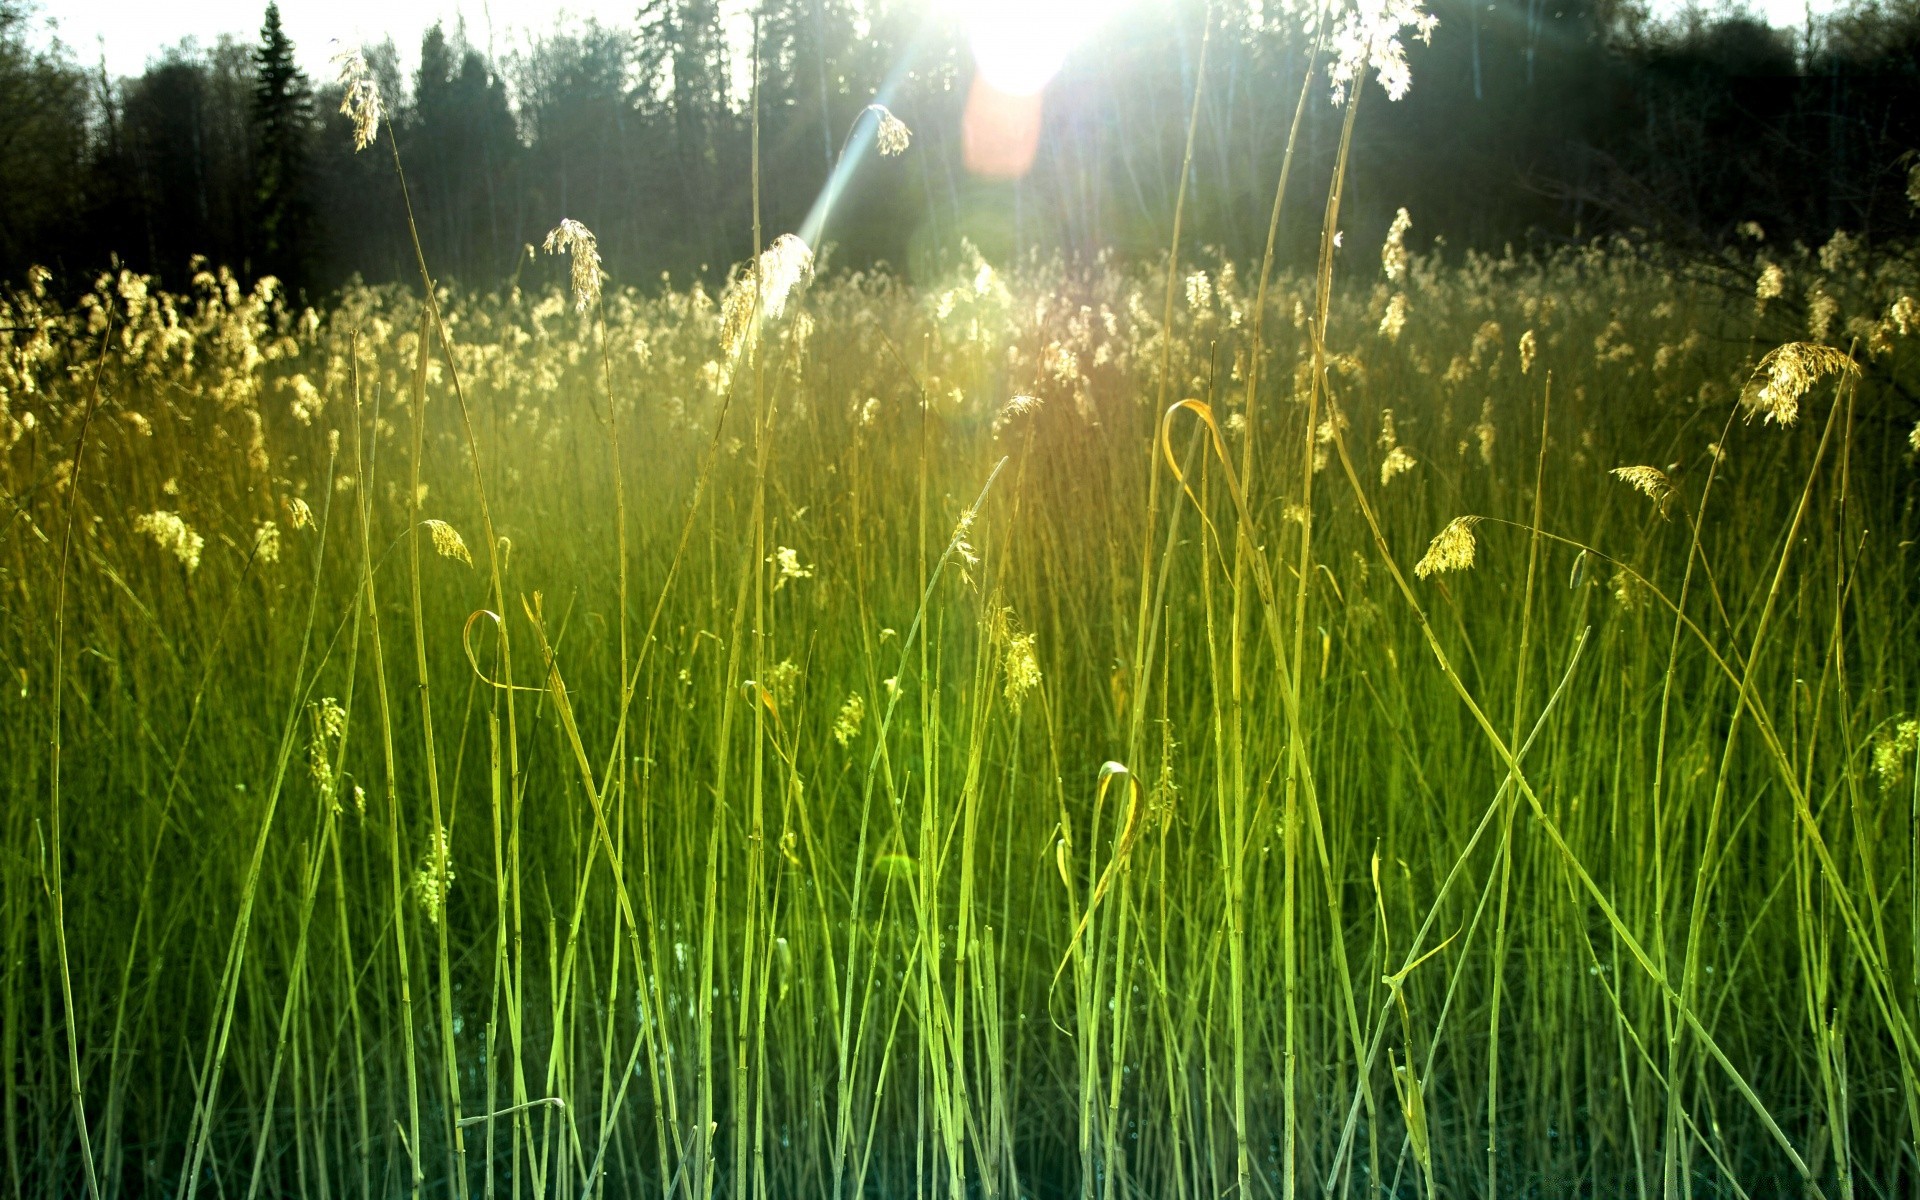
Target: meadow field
[1436, 724]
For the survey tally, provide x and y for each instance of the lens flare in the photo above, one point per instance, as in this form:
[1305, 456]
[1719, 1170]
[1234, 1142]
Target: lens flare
[1019, 46]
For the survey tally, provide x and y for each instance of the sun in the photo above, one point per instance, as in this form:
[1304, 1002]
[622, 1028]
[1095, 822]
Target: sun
[1019, 45]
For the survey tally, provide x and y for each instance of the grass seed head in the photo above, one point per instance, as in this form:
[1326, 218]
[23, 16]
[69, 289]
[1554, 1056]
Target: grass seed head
[1650, 482]
[1893, 753]
[173, 535]
[1821, 310]
[846, 725]
[784, 266]
[447, 542]
[1771, 285]
[1773, 392]
[1452, 549]
[788, 567]
[360, 99]
[1368, 35]
[1397, 462]
[329, 722]
[1394, 321]
[893, 137]
[1199, 291]
[963, 548]
[765, 285]
[572, 238]
[266, 542]
[434, 879]
[1393, 252]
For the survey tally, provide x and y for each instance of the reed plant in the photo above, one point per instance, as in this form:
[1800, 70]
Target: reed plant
[1062, 729]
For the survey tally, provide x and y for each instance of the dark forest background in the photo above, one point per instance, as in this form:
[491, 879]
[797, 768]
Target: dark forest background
[1530, 122]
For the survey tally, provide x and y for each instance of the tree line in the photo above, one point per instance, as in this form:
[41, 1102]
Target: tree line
[1529, 122]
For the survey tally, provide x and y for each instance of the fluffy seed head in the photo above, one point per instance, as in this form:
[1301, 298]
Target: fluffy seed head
[1368, 34]
[1529, 349]
[788, 567]
[846, 726]
[266, 542]
[1397, 462]
[1199, 291]
[1893, 751]
[1839, 251]
[766, 285]
[962, 548]
[1452, 549]
[572, 238]
[1394, 320]
[1650, 482]
[1821, 310]
[784, 266]
[1023, 669]
[1393, 253]
[893, 136]
[1785, 374]
[329, 723]
[446, 541]
[360, 101]
[173, 535]
[1904, 315]
[434, 879]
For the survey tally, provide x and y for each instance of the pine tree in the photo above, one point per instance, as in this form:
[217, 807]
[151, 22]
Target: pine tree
[283, 133]
[462, 155]
[680, 53]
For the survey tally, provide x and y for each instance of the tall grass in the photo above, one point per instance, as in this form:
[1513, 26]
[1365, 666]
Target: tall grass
[988, 738]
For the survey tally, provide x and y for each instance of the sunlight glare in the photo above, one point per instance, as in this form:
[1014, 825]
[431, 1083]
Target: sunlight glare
[1019, 45]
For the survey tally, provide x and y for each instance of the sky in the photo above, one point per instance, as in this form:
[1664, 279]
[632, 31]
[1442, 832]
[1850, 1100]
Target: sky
[130, 32]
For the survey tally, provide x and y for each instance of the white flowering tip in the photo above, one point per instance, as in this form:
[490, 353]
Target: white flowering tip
[1397, 462]
[763, 288]
[1394, 320]
[1893, 752]
[1785, 374]
[447, 542]
[266, 542]
[1452, 549]
[784, 266]
[788, 567]
[893, 137]
[434, 879]
[1199, 291]
[1368, 35]
[360, 99]
[1021, 664]
[1650, 482]
[173, 535]
[1393, 252]
[575, 240]
[846, 726]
